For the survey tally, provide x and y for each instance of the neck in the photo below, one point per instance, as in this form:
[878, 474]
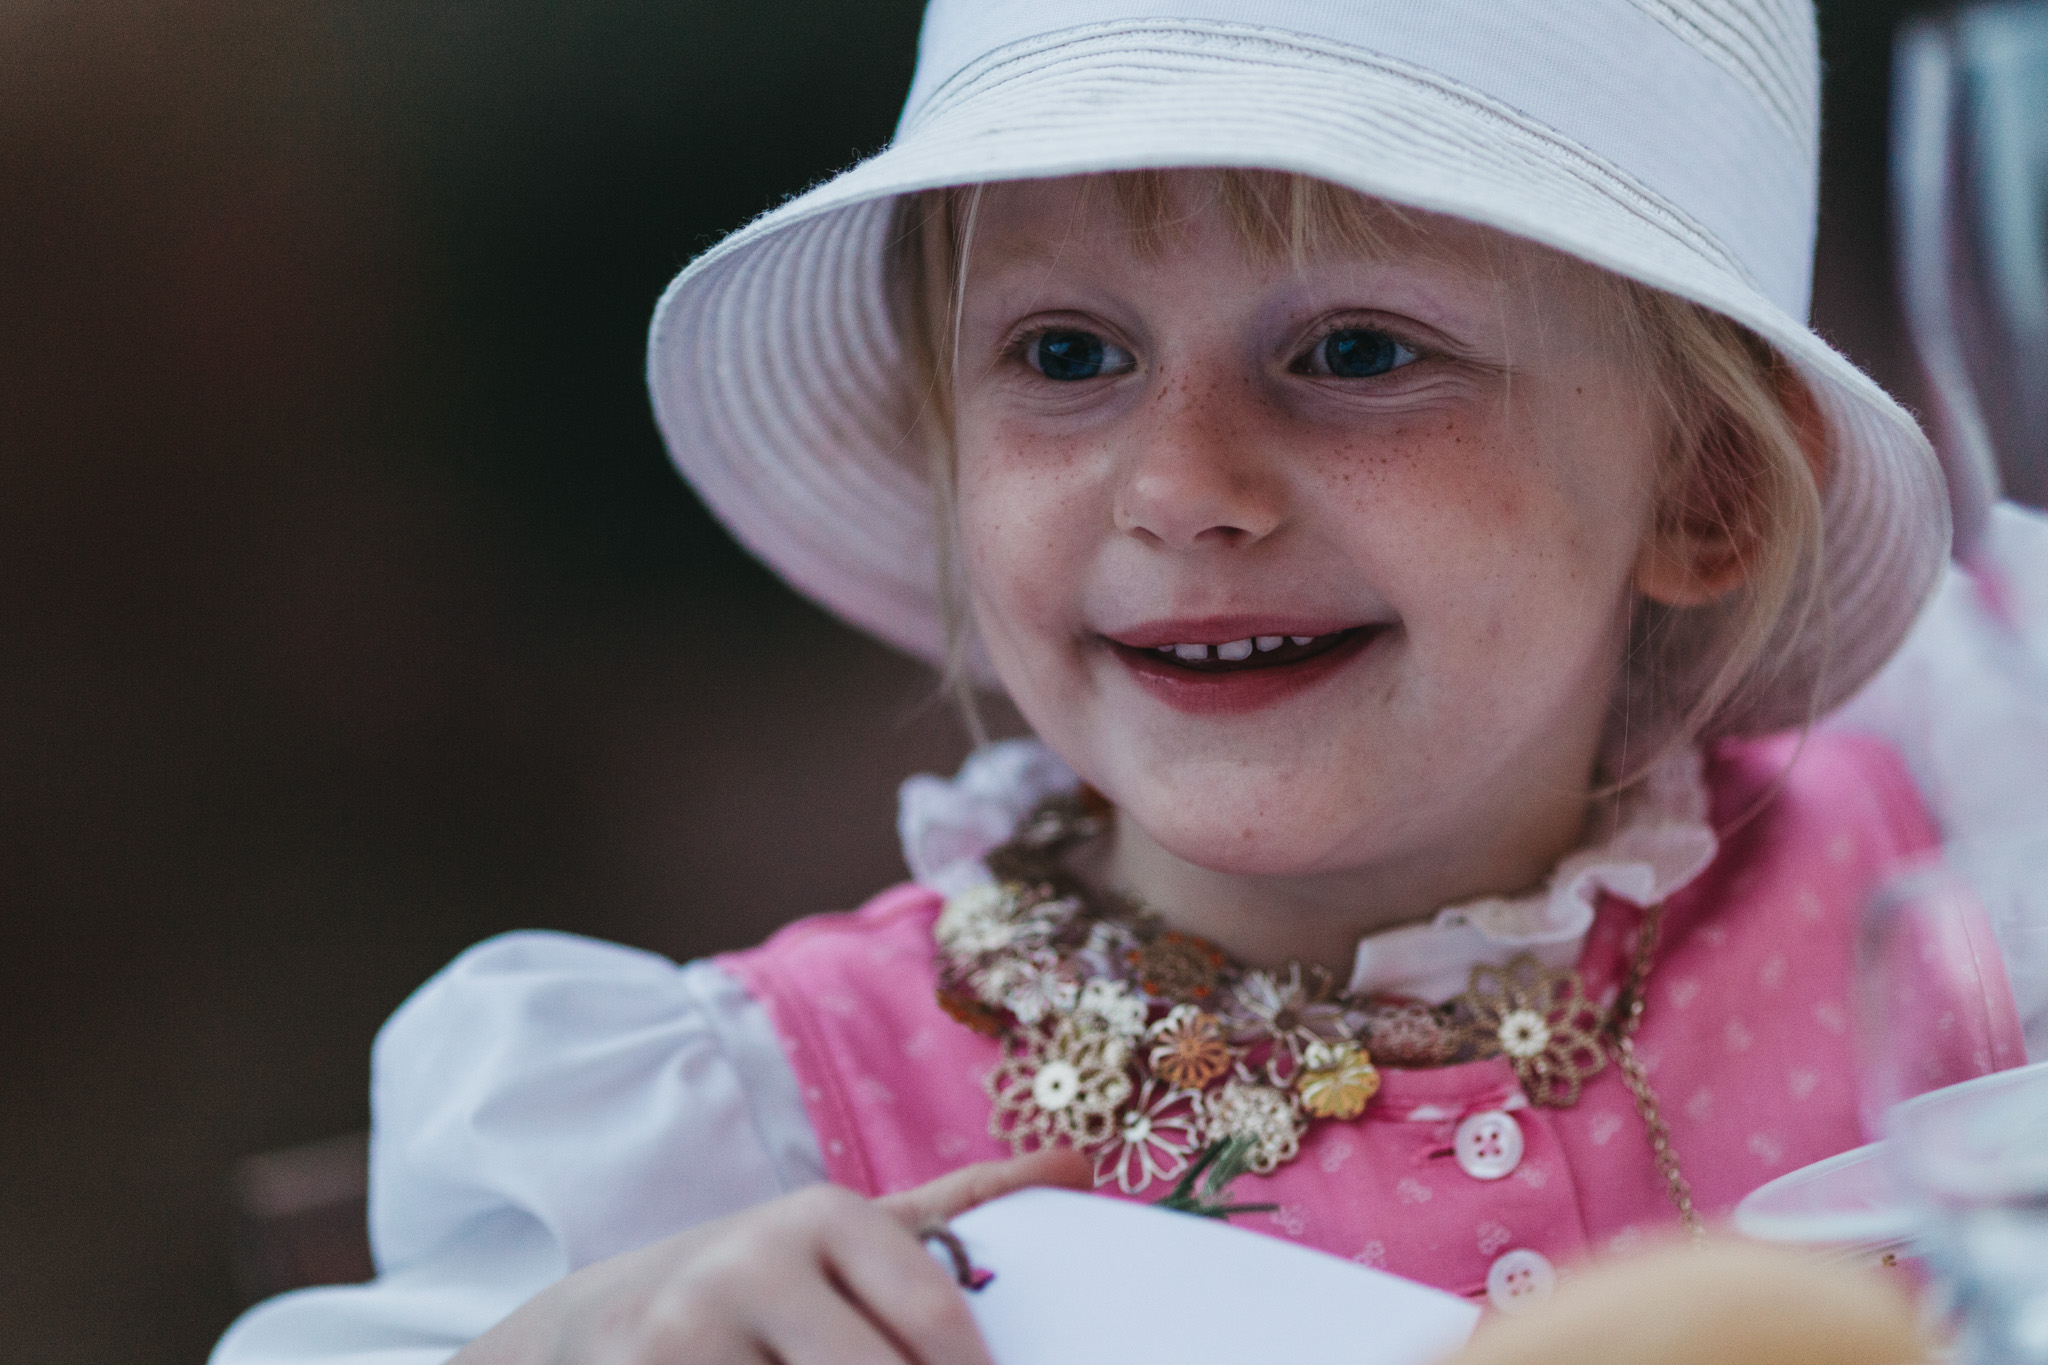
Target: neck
[1318, 918]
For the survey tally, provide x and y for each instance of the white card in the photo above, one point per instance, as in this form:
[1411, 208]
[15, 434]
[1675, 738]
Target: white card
[1081, 1280]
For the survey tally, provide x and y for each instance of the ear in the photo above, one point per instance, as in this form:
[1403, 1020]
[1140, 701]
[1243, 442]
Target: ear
[1802, 410]
[1689, 562]
[1703, 551]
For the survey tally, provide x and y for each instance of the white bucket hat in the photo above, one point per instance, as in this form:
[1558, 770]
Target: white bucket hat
[1675, 142]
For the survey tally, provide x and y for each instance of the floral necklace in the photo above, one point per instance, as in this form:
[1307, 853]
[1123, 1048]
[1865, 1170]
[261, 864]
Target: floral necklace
[1146, 1047]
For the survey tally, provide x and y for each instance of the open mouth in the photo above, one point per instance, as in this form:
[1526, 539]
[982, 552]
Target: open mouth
[1252, 652]
[1204, 677]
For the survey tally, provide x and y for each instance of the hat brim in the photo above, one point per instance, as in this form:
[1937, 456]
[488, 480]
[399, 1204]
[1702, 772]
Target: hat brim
[782, 388]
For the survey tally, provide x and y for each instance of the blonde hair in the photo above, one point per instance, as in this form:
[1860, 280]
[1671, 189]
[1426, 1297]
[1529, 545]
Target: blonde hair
[1740, 443]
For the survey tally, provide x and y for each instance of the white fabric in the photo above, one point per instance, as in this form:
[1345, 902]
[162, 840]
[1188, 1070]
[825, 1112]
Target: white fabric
[1659, 842]
[1671, 141]
[1642, 114]
[544, 1102]
[419, 1315]
[575, 1080]
[546, 1099]
[946, 824]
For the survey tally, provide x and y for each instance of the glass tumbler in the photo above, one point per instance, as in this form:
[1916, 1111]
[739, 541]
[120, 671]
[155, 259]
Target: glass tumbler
[1945, 1028]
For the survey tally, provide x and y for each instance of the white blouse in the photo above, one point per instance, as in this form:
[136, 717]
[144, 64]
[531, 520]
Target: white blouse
[547, 1101]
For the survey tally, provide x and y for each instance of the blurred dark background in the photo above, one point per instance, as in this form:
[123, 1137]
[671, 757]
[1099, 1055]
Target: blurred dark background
[349, 610]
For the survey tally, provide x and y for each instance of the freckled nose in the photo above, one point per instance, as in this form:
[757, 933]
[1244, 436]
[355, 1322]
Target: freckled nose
[1194, 472]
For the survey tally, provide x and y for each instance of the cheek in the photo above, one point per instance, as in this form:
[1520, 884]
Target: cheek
[1500, 535]
[1445, 479]
[1018, 519]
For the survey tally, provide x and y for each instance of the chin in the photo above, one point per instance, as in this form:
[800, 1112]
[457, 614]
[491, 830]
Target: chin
[1250, 836]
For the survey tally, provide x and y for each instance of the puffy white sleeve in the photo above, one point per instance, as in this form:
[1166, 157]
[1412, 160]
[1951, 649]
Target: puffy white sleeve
[545, 1102]
[1965, 702]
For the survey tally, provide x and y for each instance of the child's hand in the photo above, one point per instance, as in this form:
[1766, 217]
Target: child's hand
[819, 1277]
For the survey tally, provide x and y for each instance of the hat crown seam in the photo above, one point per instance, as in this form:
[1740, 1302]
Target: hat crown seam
[979, 80]
[1760, 53]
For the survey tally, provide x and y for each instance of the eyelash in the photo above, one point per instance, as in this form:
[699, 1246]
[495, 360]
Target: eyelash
[1404, 353]
[1020, 350]
[1023, 347]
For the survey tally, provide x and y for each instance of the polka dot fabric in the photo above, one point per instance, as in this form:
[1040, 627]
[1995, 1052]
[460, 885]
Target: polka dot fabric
[1746, 1039]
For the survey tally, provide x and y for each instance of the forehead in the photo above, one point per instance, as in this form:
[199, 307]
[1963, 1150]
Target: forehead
[1266, 224]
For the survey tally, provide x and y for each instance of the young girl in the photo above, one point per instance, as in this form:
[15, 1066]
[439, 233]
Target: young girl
[1377, 449]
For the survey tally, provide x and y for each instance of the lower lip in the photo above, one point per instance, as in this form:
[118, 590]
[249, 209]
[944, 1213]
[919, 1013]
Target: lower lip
[1233, 694]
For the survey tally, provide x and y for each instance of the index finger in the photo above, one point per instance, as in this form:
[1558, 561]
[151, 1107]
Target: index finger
[953, 1194]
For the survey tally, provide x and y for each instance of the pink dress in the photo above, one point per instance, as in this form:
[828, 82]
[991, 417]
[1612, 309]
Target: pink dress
[547, 1101]
[1451, 1177]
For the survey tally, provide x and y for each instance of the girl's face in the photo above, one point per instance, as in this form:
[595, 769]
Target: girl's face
[1309, 568]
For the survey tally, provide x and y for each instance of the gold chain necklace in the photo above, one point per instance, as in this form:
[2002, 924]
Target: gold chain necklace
[1144, 1047]
[1623, 1021]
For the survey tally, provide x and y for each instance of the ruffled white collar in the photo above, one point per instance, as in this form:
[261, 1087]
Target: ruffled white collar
[1654, 842]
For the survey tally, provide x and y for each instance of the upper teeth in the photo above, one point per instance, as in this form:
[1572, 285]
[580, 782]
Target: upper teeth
[1235, 650]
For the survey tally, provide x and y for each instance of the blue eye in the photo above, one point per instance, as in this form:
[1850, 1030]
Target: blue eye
[1068, 356]
[1356, 353]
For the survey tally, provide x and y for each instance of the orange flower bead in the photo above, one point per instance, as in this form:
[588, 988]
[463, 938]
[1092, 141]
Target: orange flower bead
[1189, 1052]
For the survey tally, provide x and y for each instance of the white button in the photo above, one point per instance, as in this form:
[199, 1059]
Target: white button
[1520, 1281]
[1488, 1145]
